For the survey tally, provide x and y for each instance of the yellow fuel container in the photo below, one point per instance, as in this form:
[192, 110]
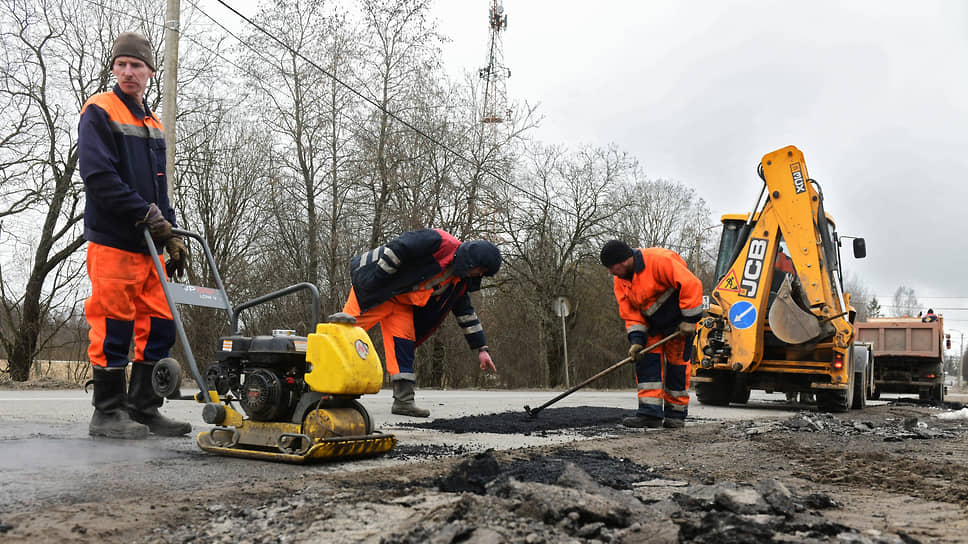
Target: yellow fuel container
[342, 361]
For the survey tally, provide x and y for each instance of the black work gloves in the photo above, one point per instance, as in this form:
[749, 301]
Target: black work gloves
[177, 257]
[158, 226]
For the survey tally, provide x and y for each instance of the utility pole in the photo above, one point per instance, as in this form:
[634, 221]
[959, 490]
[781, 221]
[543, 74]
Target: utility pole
[168, 104]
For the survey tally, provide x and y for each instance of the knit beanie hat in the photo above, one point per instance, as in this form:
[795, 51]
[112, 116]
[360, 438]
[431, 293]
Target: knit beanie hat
[477, 253]
[132, 44]
[614, 252]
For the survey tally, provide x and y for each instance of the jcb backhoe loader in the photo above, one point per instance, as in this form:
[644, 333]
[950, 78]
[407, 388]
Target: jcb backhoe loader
[778, 319]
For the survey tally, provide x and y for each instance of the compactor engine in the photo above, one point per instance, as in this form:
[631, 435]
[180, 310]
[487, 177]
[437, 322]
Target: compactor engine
[264, 372]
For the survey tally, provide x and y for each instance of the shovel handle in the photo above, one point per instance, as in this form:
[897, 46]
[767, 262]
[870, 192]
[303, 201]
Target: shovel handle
[533, 412]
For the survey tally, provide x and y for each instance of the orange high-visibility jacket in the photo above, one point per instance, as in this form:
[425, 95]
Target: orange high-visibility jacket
[656, 271]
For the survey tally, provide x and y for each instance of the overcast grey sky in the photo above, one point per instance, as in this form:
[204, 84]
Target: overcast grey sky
[874, 92]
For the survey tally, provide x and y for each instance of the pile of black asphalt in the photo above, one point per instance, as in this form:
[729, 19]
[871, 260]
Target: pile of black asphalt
[590, 420]
[589, 496]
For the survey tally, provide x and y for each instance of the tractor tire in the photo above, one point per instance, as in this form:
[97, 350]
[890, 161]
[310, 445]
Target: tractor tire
[717, 392]
[741, 395]
[837, 401]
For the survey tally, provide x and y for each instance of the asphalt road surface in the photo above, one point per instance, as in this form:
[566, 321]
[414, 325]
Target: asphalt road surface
[46, 455]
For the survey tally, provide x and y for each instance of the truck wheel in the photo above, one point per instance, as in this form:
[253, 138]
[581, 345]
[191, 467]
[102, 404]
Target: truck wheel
[938, 393]
[860, 393]
[717, 392]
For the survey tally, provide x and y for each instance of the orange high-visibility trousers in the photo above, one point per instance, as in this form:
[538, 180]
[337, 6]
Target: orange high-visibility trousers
[126, 300]
[663, 379]
[395, 317]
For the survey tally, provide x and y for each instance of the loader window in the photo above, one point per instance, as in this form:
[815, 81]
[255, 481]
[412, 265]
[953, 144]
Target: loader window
[728, 242]
[782, 266]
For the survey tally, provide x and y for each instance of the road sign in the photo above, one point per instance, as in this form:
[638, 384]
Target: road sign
[742, 314]
[562, 307]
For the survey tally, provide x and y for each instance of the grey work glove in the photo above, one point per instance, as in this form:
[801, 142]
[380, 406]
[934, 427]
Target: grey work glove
[158, 226]
[177, 257]
[635, 351]
[686, 328]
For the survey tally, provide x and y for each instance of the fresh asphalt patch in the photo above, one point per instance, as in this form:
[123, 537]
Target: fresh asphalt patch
[586, 420]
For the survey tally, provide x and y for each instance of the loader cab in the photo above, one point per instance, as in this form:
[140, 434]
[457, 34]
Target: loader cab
[728, 242]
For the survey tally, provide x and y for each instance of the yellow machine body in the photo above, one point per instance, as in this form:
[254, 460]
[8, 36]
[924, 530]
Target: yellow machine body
[342, 361]
[772, 326]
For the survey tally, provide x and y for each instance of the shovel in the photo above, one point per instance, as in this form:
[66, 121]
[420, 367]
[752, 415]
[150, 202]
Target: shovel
[533, 412]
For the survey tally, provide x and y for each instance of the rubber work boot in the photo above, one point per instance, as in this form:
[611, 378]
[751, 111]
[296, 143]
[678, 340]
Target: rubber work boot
[639, 421]
[673, 423]
[110, 417]
[403, 404]
[143, 404]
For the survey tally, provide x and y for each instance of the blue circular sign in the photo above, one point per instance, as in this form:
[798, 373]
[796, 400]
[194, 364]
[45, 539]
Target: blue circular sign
[742, 314]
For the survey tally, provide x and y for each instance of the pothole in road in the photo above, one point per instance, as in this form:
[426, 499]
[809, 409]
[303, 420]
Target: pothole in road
[584, 420]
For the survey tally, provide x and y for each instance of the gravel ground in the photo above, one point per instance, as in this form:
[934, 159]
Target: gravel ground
[893, 473]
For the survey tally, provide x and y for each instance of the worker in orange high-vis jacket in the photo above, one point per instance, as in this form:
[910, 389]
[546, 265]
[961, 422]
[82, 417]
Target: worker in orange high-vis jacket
[657, 295]
[121, 150]
[408, 286]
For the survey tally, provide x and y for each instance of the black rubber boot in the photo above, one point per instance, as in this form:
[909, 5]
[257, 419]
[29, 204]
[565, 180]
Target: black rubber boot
[674, 422]
[110, 417]
[639, 421]
[143, 404]
[403, 404]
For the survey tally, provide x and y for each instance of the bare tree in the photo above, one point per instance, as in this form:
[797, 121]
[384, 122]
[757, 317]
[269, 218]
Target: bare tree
[860, 296]
[905, 301]
[873, 307]
[664, 213]
[54, 56]
[400, 48]
[550, 231]
[313, 120]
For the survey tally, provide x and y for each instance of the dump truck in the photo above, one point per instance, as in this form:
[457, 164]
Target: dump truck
[908, 355]
[778, 318]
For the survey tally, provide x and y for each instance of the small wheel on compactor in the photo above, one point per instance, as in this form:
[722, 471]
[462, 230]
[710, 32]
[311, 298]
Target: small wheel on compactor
[166, 378]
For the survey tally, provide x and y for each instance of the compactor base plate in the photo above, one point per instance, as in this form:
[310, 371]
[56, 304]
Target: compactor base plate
[324, 449]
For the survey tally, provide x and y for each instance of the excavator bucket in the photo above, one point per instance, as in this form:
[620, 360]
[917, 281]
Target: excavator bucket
[788, 321]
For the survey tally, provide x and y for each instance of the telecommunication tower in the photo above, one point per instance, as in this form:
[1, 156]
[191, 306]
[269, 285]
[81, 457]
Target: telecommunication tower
[495, 74]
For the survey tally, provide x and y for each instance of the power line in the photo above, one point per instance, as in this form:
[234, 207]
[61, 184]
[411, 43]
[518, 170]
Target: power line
[378, 106]
[100, 4]
[920, 297]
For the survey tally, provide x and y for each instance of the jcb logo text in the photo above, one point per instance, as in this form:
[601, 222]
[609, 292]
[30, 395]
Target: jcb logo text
[798, 183]
[753, 269]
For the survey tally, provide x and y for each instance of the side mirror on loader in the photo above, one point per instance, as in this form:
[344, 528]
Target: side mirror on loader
[860, 248]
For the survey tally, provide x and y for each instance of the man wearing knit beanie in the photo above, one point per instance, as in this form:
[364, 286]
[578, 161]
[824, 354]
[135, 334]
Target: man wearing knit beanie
[121, 151]
[657, 295]
[133, 64]
[132, 44]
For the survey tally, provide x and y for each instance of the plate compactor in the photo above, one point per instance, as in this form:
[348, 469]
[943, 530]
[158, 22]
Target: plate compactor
[299, 393]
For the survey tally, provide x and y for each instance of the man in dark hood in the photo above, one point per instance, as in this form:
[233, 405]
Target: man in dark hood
[408, 286]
